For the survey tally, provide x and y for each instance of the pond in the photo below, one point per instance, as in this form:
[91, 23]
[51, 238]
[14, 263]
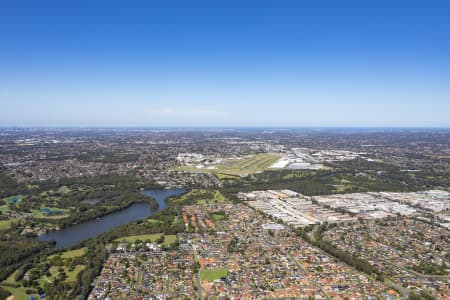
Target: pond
[137, 211]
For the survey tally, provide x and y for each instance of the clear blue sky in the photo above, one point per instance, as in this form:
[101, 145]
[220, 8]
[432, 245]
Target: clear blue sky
[225, 63]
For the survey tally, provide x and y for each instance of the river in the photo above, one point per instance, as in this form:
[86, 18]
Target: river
[137, 211]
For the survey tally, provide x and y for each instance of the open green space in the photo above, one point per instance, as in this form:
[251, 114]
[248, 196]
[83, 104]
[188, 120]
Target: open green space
[71, 275]
[19, 293]
[71, 253]
[218, 216]
[168, 239]
[153, 221]
[201, 196]
[216, 198]
[213, 274]
[12, 278]
[5, 224]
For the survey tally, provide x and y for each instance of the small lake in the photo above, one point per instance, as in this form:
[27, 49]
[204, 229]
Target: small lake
[137, 211]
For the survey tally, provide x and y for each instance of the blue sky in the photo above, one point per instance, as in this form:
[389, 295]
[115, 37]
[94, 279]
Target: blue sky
[225, 63]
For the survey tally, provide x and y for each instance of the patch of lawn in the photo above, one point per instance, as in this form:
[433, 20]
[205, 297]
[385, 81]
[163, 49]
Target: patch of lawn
[12, 278]
[213, 274]
[5, 224]
[153, 221]
[71, 253]
[71, 275]
[217, 216]
[19, 293]
[202, 196]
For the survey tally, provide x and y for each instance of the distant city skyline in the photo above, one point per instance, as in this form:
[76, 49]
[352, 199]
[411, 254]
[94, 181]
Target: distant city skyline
[228, 64]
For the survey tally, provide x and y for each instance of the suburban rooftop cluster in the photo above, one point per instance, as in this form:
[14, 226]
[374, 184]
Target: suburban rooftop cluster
[412, 253]
[145, 273]
[233, 251]
[257, 258]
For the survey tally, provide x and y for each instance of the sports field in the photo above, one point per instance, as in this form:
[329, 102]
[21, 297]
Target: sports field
[211, 275]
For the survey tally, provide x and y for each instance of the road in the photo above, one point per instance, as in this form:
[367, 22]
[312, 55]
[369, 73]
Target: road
[197, 275]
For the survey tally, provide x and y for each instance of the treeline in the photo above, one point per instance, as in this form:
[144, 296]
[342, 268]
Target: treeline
[14, 255]
[305, 182]
[430, 268]
[120, 182]
[422, 295]
[393, 175]
[4, 294]
[8, 186]
[96, 255]
[13, 252]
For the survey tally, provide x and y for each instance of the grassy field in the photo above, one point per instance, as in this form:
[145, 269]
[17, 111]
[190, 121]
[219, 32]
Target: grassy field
[168, 239]
[217, 217]
[217, 198]
[237, 167]
[12, 278]
[213, 274]
[19, 293]
[71, 275]
[153, 221]
[202, 196]
[5, 224]
[71, 253]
